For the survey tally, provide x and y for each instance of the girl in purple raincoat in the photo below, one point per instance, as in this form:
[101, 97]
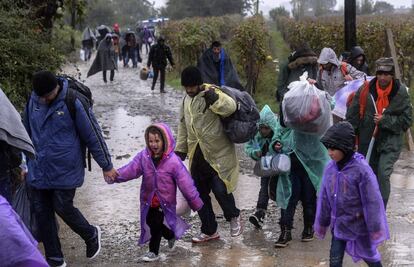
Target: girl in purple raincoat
[350, 201]
[18, 248]
[162, 171]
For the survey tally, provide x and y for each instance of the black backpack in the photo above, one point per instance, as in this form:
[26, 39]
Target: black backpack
[241, 126]
[78, 90]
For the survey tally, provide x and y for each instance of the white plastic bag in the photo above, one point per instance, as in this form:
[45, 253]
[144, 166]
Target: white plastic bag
[82, 54]
[182, 208]
[306, 108]
[271, 165]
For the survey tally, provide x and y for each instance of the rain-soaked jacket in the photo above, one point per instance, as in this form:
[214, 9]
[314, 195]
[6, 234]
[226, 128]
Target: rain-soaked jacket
[161, 181]
[17, 245]
[350, 203]
[203, 127]
[356, 52]
[332, 81]
[105, 59]
[397, 118]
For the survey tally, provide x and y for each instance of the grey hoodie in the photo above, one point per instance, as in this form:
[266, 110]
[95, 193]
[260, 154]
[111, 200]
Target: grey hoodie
[332, 81]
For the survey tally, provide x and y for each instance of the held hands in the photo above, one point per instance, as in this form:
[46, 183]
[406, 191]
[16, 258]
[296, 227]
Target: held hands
[110, 176]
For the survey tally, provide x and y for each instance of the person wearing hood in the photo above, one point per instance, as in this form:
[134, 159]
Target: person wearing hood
[18, 248]
[358, 59]
[213, 161]
[302, 59]
[216, 67]
[381, 110]
[13, 140]
[265, 142]
[105, 59]
[333, 74]
[88, 39]
[158, 56]
[162, 171]
[350, 202]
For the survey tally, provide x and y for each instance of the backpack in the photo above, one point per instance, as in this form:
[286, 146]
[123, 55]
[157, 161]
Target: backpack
[78, 90]
[241, 126]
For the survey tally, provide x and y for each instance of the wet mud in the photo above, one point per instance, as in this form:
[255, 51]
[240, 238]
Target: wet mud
[124, 109]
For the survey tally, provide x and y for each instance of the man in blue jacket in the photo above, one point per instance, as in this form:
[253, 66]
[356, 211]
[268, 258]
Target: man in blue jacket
[60, 142]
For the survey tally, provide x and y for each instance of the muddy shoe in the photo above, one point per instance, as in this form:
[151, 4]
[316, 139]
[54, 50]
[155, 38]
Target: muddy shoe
[236, 227]
[307, 234]
[93, 246]
[56, 263]
[204, 238]
[150, 256]
[163, 91]
[171, 244]
[257, 219]
[284, 238]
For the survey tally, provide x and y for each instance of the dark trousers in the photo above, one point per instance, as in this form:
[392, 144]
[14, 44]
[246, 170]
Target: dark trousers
[263, 199]
[303, 190]
[45, 204]
[336, 254]
[111, 77]
[155, 221]
[206, 180]
[162, 78]
[5, 186]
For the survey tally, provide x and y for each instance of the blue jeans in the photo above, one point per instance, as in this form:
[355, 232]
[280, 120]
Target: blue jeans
[5, 186]
[263, 200]
[336, 254]
[48, 201]
[303, 190]
[206, 180]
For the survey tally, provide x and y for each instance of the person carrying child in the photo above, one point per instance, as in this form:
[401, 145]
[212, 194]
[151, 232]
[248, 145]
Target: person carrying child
[162, 171]
[350, 201]
[264, 142]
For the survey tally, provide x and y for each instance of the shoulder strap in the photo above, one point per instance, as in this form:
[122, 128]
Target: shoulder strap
[363, 99]
[70, 100]
[344, 69]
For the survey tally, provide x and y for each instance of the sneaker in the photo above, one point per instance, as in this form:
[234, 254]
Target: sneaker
[307, 234]
[257, 219]
[56, 263]
[204, 238]
[93, 246]
[236, 227]
[284, 238]
[171, 243]
[150, 256]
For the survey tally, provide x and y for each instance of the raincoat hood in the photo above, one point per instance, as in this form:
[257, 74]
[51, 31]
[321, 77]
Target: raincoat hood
[356, 51]
[268, 118]
[340, 136]
[328, 56]
[167, 138]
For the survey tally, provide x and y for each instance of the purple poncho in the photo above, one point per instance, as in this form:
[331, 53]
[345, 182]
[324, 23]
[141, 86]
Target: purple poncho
[350, 202]
[17, 246]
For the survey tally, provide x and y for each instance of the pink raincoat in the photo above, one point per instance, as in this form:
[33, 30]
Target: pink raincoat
[162, 181]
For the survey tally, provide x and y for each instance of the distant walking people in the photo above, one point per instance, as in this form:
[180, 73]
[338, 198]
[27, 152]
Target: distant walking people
[105, 59]
[158, 56]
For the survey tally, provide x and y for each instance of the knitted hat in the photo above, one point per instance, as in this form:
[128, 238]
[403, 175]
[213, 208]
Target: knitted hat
[191, 76]
[44, 82]
[384, 64]
[340, 136]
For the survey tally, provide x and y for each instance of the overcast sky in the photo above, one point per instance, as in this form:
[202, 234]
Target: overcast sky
[266, 5]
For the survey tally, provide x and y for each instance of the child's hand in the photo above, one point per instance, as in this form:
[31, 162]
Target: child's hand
[277, 146]
[110, 176]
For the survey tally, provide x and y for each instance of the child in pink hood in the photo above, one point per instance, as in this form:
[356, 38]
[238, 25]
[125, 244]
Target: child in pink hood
[162, 171]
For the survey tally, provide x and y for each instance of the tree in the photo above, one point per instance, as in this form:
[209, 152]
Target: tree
[298, 8]
[382, 7]
[367, 7]
[278, 12]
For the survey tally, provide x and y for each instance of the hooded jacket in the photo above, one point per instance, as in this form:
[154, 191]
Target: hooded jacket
[268, 118]
[158, 55]
[356, 52]
[105, 58]
[332, 81]
[202, 126]
[161, 181]
[350, 203]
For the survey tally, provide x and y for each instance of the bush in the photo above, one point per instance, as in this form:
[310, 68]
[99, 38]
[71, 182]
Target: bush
[24, 49]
